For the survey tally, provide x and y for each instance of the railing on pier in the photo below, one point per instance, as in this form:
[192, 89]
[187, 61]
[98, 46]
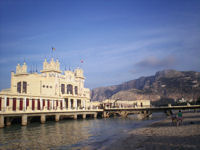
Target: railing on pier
[152, 108]
[9, 110]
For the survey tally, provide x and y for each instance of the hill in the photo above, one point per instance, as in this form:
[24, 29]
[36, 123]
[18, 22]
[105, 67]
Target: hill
[166, 84]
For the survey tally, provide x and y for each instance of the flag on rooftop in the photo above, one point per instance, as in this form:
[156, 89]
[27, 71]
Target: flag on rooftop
[53, 48]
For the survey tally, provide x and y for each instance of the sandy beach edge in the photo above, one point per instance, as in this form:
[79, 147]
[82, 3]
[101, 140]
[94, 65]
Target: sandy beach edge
[163, 135]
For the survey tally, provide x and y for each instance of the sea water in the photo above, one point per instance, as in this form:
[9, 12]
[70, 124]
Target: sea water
[70, 134]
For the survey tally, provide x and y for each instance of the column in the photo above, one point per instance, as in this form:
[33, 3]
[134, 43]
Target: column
[8, 121]
[5, 103]
[57, 117]
[9, 108]
[24, 120]
[24, 104]
[140, 116]
[84, 104]
[69, 103]
[42, 118]
[53, 104]
[105, 115]
[41, 104]
[95, 115]
[75, 117]
[84, 116]
[75, 103]
[63, 101]
[50, 105]
[17, 104]
[1, 121]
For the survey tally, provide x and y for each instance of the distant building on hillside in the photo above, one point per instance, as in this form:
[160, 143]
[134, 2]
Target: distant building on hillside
[110, 103]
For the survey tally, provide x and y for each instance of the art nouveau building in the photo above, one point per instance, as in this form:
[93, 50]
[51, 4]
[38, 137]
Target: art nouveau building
[46, 91]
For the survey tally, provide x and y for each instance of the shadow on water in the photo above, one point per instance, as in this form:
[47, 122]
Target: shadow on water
[69, 134]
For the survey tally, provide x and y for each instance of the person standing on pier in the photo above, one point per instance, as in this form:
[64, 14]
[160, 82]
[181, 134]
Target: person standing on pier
[180, 118]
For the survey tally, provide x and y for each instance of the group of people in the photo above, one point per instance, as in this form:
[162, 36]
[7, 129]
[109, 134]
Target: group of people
[177, 119]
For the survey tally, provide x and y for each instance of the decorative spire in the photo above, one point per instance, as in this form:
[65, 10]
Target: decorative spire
[51, 66]
[36, 68]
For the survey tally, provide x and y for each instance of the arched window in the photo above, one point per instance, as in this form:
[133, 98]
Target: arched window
[24, 87]
[19, 87]
[62, 88]
[76, 90]
[69, 89]
[78, 103]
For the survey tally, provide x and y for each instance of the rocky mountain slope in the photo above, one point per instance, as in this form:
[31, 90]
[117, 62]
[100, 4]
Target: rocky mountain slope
[168, 84]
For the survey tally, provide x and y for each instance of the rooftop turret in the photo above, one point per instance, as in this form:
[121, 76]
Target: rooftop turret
[52, 66]
[21, 69]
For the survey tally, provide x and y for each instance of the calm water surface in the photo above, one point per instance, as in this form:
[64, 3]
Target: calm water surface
[69, 134]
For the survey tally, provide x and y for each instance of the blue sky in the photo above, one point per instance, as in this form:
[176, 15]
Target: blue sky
[119, 40]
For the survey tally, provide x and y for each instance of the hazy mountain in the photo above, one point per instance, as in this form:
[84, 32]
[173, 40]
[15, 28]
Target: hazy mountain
[167, 84]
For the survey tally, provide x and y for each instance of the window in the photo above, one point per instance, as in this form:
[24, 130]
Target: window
[69, 89]
[62, 88]
[76, 90]
[7, 102]
[24, 87]
[14, 104]
[72, 103]
[19, 87]
[33, 104]
[78, 103]
[66, 102]
[21, 104]
[27, 102]
[38, 104]
[43, 103]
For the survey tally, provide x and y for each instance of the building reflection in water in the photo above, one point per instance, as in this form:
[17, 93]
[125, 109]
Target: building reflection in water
[45, 136]
[68, 134]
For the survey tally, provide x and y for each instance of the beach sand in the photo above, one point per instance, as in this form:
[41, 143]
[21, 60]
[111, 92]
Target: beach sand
[163, 136]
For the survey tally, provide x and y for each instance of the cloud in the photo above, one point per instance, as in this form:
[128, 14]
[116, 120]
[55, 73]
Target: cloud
[156, 63]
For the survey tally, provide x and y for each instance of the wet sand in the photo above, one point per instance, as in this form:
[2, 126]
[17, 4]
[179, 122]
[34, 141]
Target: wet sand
[163, 135]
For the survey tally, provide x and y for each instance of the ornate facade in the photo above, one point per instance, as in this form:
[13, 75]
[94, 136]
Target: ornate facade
[49, 90]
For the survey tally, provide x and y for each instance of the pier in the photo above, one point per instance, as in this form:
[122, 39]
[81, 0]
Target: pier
[7, 118]
[144, 112]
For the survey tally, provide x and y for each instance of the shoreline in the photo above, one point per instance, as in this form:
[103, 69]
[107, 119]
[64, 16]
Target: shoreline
[162, 135]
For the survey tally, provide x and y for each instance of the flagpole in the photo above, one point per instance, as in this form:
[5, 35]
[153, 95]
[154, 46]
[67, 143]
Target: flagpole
[52, 51]
[81, 66]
